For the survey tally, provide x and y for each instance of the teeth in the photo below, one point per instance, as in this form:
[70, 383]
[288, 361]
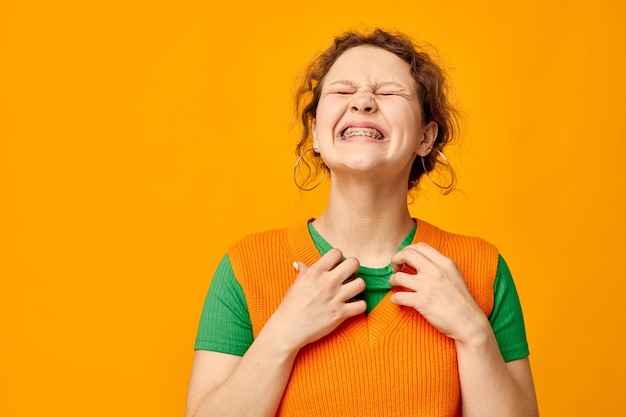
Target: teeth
[358, 131]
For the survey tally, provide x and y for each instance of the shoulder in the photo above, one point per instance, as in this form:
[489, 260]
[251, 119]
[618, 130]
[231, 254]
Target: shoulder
[261, 238]
[293, 241]
[262, 263]
[260, 249]
[461, 245]
[258, 244]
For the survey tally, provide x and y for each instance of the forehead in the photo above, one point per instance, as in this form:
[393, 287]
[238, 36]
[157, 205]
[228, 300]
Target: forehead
[372, 64]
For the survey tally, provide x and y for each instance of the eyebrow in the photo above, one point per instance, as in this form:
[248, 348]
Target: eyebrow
[343, 82]
[377, 85]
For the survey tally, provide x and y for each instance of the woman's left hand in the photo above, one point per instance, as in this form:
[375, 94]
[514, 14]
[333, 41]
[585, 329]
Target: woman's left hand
[437, 291]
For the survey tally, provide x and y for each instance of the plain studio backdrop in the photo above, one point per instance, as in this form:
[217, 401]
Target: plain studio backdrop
[139, 139]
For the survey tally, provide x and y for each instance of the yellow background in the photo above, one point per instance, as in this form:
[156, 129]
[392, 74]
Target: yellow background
[139, 139]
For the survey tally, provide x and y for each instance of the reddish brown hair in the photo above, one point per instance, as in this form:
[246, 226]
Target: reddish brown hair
[429, 76]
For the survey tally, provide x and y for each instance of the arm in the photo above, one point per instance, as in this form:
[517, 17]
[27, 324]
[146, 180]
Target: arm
[489, 386]
[254, 384]
[223, 384]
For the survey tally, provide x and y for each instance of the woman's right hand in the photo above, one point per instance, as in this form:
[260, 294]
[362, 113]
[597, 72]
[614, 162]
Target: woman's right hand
[319, 300]
[316, 303]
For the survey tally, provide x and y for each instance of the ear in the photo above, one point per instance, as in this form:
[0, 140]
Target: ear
[314, 131]
[425, 145]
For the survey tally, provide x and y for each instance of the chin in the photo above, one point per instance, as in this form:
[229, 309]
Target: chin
[358, 167]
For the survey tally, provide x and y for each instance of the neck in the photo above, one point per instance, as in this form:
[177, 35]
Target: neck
[366, 222]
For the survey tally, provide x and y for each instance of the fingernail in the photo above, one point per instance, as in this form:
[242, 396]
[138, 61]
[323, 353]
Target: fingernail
[295, 265]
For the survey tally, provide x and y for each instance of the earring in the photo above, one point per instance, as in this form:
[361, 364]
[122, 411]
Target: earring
[295, 170]
[448, 165]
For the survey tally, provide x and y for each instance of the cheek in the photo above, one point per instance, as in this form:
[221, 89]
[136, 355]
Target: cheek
[324, 128]
[410, 121]
[328, 112]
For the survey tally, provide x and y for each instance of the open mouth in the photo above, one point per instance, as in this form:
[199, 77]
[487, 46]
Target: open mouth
[361, 131]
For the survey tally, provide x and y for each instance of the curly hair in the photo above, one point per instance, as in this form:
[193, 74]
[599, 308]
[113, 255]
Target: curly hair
[433, 91]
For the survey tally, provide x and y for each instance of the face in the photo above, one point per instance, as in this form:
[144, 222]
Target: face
[369, 117]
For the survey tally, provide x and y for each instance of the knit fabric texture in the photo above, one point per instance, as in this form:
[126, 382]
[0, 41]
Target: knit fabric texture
[391, 362]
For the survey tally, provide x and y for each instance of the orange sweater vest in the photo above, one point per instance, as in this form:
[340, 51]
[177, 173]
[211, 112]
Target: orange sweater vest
[391, 362]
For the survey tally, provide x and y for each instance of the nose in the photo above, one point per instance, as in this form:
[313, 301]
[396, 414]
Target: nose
[363, 102]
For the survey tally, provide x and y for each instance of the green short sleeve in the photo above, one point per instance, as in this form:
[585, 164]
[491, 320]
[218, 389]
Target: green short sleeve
[225, 324]
[506, 317]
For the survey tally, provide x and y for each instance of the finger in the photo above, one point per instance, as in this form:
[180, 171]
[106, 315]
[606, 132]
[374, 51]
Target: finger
[300, 266]
[346, 269]
[351, 289]
[412, 258]
[408, 281]
[354, 308]
[403, 298]
[400, 258]
[438, 260]
[431, 253]
[405, 267]
[329, 261]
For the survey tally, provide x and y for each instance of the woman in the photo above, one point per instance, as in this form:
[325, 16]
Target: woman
[365, 310]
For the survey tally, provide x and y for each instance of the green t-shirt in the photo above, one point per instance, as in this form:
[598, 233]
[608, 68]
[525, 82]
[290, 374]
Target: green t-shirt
[225, 324]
